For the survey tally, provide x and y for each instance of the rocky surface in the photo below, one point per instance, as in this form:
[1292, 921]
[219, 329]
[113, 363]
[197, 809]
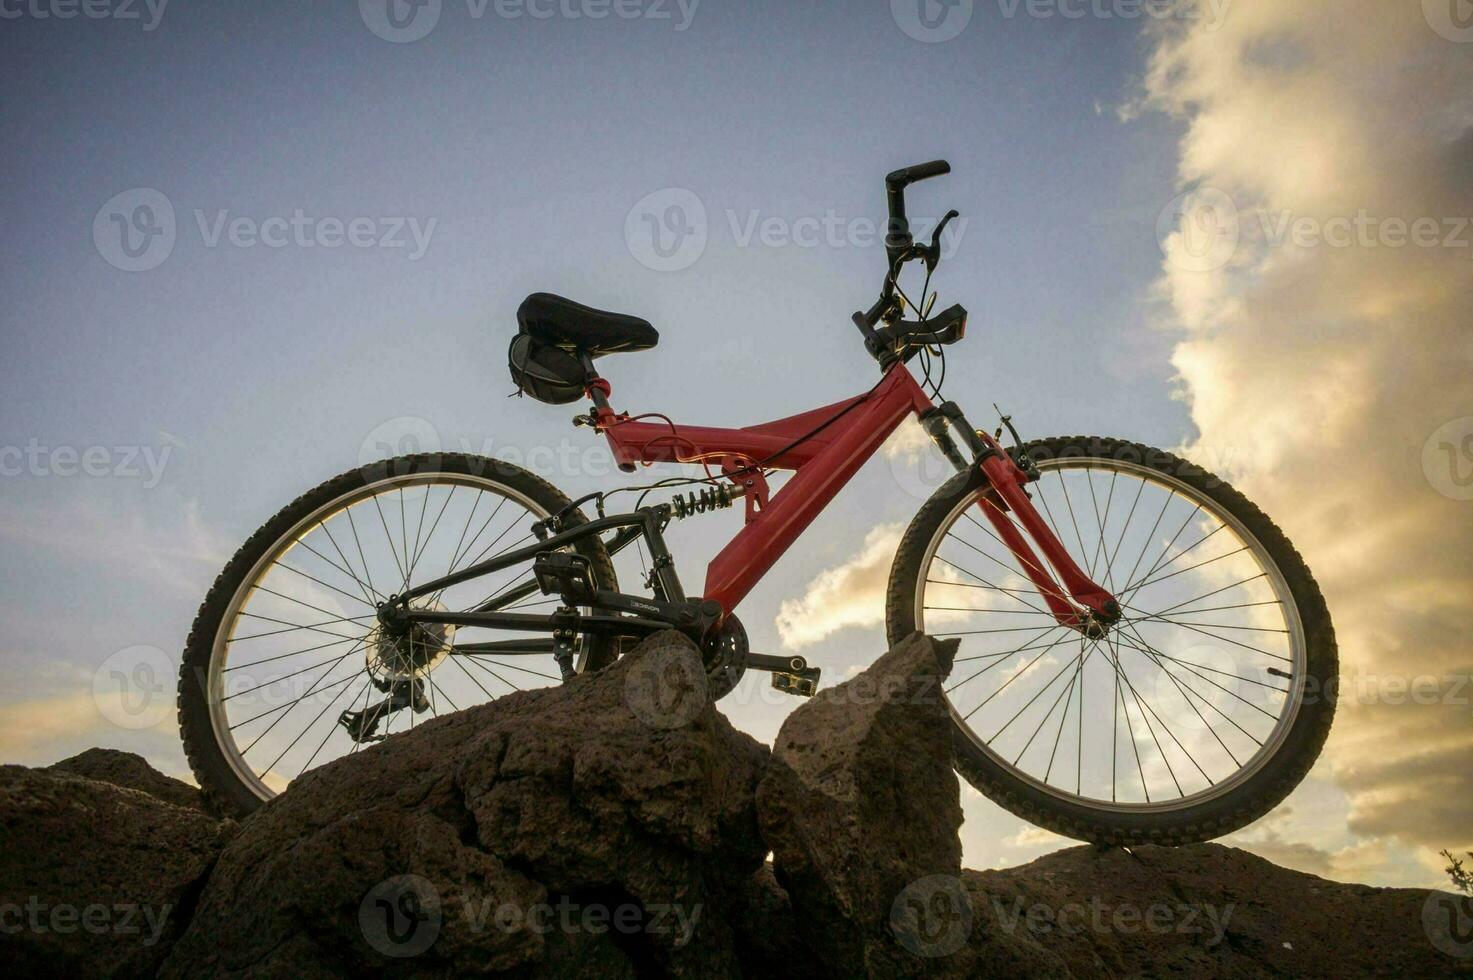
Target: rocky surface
[605, 826]
[617, 826]
[130, 770]
[1198, 911]
[97, 879]
[861, 809]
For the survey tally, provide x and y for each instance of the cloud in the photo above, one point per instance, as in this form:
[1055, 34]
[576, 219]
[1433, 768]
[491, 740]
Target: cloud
[1320, 356]
[165, 542]
[850, 594]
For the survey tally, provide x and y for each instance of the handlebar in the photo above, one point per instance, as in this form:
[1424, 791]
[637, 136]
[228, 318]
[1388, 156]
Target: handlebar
[900, 247]
[897, 237]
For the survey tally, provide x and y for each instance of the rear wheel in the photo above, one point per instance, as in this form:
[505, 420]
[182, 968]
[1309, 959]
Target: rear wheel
[1193, 716]
[288, 640]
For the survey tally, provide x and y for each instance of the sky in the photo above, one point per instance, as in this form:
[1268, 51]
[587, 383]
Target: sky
[343, 211]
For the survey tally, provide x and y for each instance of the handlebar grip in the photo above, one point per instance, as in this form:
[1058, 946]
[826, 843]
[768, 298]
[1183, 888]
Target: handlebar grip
[897, 179]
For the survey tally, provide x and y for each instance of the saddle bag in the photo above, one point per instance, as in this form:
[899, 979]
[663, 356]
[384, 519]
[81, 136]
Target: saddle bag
[547, 373]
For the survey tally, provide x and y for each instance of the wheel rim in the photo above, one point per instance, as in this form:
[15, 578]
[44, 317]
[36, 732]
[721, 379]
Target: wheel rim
[1185, 696]
[299, 641]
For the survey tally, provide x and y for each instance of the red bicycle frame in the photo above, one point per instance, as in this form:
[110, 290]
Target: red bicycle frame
[822, 463]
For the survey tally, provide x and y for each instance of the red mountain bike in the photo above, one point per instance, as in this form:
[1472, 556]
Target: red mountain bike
[1144, 655]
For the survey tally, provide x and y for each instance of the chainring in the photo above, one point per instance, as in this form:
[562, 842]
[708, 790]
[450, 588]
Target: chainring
[725, 654]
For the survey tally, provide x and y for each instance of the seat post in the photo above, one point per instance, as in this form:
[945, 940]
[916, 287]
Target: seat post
[595, 391]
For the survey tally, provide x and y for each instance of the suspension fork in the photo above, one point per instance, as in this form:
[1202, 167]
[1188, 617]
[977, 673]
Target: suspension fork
[1006, 493]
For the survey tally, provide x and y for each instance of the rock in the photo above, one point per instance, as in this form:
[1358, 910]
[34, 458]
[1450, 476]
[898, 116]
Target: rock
[130, 770]
[607, 826]
[96, 880]
[861, 809]
[1202, 910]
[768, 941]
[616, 827]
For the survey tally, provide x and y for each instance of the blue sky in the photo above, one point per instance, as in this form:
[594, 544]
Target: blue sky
[517, 147]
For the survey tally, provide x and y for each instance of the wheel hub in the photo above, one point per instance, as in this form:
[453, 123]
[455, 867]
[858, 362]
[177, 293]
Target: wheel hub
[398, 653]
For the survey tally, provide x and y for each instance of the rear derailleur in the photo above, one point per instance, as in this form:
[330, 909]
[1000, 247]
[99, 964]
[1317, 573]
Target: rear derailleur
[362, 726]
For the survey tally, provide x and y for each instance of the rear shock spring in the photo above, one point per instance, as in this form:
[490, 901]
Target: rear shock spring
[710, 498]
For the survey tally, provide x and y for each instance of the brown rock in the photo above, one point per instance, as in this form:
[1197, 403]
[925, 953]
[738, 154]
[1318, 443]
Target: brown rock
[861, 809]
[130, 770]
[95, 879]
[604, 826]
[1203, 910]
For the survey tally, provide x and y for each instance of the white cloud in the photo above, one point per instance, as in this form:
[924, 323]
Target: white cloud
[850, 594]
[1323, 370]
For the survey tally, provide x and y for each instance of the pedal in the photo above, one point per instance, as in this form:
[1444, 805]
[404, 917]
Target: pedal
[791, 675]
[804, 685]
[563, 573]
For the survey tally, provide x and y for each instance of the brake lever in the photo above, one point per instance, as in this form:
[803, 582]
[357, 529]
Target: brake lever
[931, 254]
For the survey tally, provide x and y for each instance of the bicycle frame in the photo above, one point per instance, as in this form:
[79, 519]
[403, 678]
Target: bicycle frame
[823, 464]
[849, 432]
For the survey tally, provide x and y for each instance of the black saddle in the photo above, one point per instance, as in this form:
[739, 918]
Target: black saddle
[563, 323]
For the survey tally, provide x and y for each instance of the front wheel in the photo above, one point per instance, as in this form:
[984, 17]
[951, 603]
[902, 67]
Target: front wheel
[1197, 713]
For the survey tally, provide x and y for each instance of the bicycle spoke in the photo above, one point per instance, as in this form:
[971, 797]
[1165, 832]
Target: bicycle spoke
[388, 537]
[282, 656]
[1007, 682]
[334, 727]
[482, 661]
[478, 663]
[1182, 571]
[293, 628]
[1062, 670]
[1011, 593]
